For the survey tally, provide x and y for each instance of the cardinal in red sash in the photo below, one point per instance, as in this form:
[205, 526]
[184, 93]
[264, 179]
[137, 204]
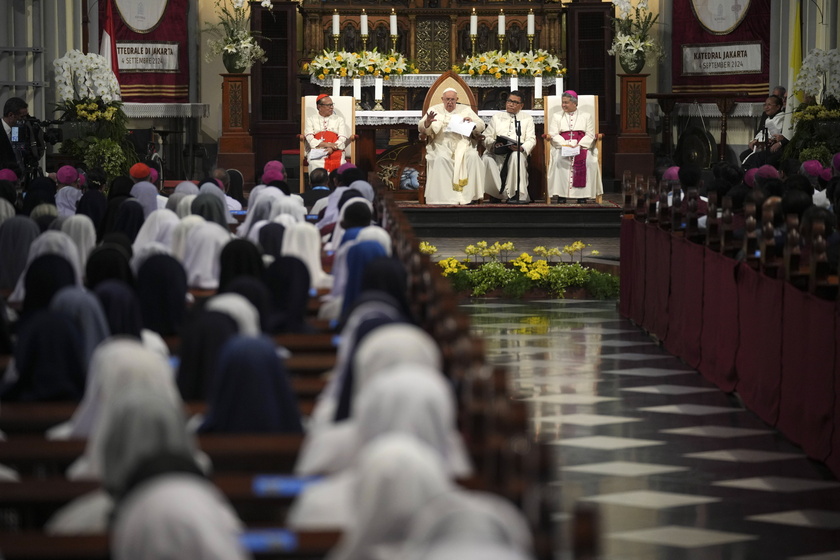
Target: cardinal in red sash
[326, 136]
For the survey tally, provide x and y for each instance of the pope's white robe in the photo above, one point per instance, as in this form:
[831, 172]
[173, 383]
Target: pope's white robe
[454, 171]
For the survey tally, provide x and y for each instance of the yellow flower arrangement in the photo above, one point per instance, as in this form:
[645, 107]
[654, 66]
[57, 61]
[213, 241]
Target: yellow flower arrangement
[451, 266]
[427, 248]
[498, 63]
[355, 64]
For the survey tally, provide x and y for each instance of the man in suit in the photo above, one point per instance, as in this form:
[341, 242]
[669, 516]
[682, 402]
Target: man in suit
[15, 110]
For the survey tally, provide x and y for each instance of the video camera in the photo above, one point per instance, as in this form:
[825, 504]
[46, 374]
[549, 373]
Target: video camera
[30, 137]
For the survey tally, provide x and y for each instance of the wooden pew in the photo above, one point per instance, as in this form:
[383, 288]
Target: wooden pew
[37, 418]
[228, 452]
[35, 545]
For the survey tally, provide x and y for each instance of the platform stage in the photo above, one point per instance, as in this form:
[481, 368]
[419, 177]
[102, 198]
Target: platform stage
[515, 220]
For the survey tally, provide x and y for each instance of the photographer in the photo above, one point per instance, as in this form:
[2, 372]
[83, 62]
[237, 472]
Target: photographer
[14, 111]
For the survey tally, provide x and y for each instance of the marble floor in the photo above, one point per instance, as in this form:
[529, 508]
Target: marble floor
[672, 467]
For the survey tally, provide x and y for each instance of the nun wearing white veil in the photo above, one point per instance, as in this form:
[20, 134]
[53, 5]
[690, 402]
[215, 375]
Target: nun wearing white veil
[302, 240]
[408, 400]
[397, 476]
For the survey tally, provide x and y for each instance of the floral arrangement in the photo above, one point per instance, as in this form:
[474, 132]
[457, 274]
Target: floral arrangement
[344, 64]
[89, 102]
[817, 121]
[632, 29]
[85, 76]
[524, 273]
[497, 64]
[819, 76]
[233, 35]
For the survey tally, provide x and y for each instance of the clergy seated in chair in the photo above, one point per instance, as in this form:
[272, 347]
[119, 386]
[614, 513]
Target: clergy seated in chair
[509, 139]
[577, 173]
[326, 135]
[454, 171]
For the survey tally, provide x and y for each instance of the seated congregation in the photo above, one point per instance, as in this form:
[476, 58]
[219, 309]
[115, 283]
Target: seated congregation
[275, 386]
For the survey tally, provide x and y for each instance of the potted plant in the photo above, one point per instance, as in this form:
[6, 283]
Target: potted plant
[90, 106]
[633, 41]
[233, 38]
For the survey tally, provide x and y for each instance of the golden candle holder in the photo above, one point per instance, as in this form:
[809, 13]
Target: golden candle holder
[538, 103]
[364, 42]
[378, 106]
[472, 42]
[393, 43]
[530, 43]
[335, 41]
[501, 43]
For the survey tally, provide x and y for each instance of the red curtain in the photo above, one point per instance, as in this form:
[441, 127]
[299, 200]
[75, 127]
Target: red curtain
[720, 336]
[156, 87]
[657, 281]
[637, 301]
[759, 356]
[685, 306]
[754, 28]
[806, 410]
[626, 248]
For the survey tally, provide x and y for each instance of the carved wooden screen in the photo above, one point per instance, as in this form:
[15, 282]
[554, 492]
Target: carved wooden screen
[433, 44]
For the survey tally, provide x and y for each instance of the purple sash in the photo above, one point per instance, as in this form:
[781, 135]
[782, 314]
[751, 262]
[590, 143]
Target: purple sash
[579, 163]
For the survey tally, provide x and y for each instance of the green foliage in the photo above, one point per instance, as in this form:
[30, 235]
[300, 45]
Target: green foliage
[489, 276]
[816, 136]
[602, 285]
[562, 277]
[108, 155]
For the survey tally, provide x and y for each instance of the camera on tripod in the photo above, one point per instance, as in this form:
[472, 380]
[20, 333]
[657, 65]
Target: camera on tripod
[30, 137]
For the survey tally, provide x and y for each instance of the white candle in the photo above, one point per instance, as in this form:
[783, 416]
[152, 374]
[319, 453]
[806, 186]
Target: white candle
[364, 27]
[530, 22]
[501, 22]
[377, 89]
[514, 83]
[394, 30]
[537, 87]
[336, 87]
[559, 90]
[473, 23]
[357, 88]
[336, 24]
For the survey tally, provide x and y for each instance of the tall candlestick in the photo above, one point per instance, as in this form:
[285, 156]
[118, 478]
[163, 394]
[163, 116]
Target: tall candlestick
[474, 23]
[559, 90]
[364, 24]
[394, 30]
[501, 22]
[530, 22]
[357, 88]
[336, 87]
[336, 23]
[537, 87]
[514, 83]
[377, 94]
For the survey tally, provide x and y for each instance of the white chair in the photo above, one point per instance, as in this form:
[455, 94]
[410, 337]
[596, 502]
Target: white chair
[587, 104]
[345, 107]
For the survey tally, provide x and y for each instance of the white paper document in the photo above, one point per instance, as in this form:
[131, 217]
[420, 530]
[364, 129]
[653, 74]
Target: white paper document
[317, 153]
[568, 151]
[458, 125]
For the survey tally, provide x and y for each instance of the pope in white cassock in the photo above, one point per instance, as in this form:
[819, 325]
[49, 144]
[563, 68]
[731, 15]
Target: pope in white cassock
[576, 176]
[326, 133]
[501, 168]
[454, 172]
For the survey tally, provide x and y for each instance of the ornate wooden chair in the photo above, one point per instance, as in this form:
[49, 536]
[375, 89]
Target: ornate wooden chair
[448, 79]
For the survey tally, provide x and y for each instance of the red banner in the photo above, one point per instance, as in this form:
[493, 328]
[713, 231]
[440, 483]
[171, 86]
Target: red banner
[151, 48]
[722, 45]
